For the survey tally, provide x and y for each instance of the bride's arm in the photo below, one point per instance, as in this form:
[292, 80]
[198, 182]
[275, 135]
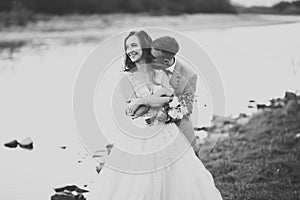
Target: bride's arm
[154, 101]
[160, 97]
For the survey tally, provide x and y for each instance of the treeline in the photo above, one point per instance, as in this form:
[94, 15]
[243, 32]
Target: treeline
[288, 7]
[119, 6]
[281, 8]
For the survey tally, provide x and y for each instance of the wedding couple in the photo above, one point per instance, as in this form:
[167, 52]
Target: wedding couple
[154, 77]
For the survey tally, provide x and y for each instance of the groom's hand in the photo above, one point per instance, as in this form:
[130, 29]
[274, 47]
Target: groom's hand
[162, 116]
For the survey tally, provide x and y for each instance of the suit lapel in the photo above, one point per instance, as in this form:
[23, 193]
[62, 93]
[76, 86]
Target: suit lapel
[176, 77]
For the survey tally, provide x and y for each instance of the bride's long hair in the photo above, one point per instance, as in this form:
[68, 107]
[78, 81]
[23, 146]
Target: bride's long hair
[145, 42]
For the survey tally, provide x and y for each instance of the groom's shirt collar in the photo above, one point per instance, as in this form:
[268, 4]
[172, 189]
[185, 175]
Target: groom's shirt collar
[171, 69]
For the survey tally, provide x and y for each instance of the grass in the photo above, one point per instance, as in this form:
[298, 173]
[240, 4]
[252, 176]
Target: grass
[262, 159]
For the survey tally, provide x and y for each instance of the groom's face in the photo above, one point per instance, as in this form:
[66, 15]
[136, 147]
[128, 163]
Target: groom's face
[159, 59]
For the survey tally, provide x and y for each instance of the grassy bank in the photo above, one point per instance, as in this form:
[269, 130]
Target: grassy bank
[261, 159]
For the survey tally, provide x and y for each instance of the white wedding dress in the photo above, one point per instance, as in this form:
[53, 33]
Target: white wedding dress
[158, 166]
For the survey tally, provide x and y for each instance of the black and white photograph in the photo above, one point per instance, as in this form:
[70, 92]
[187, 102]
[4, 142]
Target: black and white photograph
[150, 100]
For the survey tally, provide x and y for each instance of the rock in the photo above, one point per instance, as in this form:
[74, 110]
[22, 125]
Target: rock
[80, 197]
[63, 196]
[71, 188]
[97, 156]
[290, 96]
[98, 168]
[11, 144]
[200, 129]
[26, 143]
[242, 115]
[261, 106]
[292, 107]
[66, 196]
[100, 153]
[109, 147]
[252, 104]
[277, 103]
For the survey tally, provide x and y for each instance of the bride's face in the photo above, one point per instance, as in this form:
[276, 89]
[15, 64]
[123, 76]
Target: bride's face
[133, 48]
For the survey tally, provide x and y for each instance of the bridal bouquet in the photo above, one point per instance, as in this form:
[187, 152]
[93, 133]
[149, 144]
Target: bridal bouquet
[178, 107]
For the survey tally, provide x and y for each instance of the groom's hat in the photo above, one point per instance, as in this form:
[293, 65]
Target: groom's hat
[167, 44]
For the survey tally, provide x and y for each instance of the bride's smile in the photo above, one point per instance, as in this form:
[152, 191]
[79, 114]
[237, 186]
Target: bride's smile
[133, 48]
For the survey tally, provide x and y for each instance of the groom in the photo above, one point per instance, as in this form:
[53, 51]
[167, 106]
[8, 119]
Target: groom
[183, 80]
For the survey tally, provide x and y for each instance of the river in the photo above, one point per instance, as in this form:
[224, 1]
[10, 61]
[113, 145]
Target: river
[255, 62]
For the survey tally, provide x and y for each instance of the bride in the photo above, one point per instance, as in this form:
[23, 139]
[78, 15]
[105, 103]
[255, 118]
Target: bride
[157, 162]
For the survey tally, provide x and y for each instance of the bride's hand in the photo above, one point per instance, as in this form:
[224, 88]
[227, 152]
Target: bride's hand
[134, 104]
[134, 107]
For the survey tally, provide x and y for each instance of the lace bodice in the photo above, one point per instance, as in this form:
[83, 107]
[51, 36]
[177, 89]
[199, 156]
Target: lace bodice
[142, 89]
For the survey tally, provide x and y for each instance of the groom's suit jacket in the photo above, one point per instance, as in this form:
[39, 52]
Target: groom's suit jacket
[184, 81]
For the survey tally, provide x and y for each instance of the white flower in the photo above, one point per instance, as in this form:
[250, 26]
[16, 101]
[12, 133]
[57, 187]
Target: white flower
[174, 103]
[173, 113]
[179, 115]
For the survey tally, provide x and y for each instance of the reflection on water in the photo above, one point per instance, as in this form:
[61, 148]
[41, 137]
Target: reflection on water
[36, 99]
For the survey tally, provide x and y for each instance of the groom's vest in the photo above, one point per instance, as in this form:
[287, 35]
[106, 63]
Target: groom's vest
[184, 80]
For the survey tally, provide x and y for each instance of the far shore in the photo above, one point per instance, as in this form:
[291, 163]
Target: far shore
[94, 28]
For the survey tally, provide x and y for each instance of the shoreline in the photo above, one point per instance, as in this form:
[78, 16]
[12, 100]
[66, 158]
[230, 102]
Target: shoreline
[92, 28]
